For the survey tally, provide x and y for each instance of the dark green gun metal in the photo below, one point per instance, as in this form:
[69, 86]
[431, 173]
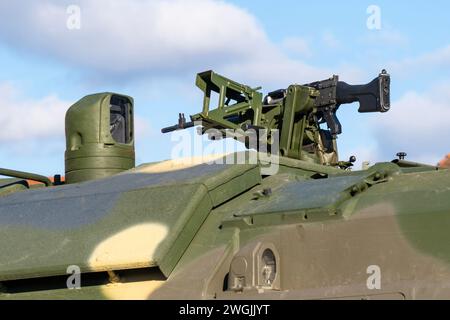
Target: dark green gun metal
[296, 112]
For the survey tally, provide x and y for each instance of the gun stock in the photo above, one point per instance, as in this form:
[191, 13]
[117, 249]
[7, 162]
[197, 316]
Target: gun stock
[372, 97]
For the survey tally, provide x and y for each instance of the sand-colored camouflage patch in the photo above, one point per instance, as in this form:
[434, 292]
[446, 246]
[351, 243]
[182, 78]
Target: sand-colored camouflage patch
[131, 291]
[181, 163]
[134, 246]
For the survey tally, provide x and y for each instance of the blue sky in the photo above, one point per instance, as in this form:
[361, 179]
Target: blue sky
[152, 50]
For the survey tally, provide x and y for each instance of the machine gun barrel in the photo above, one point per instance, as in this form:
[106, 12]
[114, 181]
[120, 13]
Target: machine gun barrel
[182, 124]
[177, 127]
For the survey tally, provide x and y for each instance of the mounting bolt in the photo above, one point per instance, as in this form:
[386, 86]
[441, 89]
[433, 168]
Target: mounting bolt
[401, 155]
[267, 192]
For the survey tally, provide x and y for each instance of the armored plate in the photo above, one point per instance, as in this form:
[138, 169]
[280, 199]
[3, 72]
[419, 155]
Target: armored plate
[141, 218]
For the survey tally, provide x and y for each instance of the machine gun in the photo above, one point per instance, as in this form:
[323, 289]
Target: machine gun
[296, 113]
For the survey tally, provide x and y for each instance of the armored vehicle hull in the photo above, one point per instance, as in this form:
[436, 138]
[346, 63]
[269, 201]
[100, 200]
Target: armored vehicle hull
[211, 231]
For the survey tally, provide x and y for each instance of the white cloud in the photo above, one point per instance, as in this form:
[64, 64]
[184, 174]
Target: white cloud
[274, 70]
[438, 59]
[159, 37]
[128, 36]
[330, 40]
[297, 45]
[24, 119]
[418, 123]
[142, 127]
[386, 36]
[135, 35]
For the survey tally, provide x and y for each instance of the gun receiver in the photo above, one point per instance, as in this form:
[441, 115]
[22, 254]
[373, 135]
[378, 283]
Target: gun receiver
[296, 112]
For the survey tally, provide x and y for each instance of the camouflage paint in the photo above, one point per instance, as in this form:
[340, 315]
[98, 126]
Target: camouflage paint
[325, 240]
